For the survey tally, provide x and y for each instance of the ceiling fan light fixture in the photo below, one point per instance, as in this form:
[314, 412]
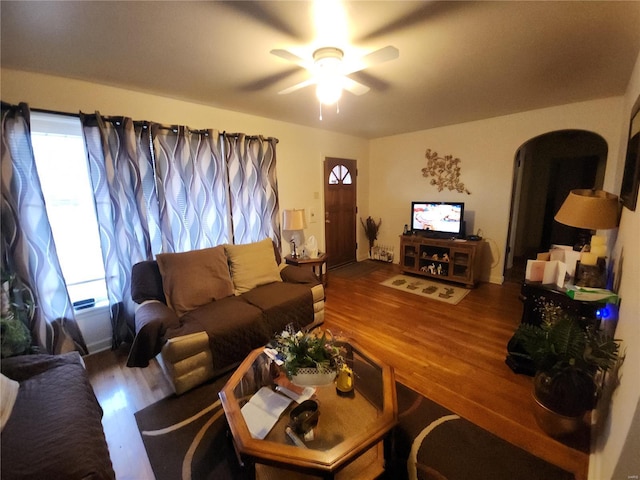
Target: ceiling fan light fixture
[330, 73]
[328, 64]
[329, 90]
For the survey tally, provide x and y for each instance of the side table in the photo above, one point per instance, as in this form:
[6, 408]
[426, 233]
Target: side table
[535, 296]
[349, 442]
[318, 266]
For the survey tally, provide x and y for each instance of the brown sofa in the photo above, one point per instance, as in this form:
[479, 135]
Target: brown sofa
[53, 426]
[202, 312]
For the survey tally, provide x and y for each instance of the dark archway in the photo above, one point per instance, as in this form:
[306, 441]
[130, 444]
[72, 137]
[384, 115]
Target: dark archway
[547, 168]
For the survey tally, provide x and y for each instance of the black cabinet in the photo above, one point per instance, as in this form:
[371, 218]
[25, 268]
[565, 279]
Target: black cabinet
[536, 296]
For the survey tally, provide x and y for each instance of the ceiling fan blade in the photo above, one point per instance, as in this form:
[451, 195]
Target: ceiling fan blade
[269, 80]
[374, 58]
[290, 57]
[354, 87]
[298, 86]
[380, 56]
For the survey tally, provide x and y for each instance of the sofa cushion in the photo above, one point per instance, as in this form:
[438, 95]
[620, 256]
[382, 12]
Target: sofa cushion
[234, 328]
[252, 265]
[195, 278]
[281, 304]
[297, 274]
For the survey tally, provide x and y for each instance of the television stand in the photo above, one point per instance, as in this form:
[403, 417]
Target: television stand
[434, 235]
[447, 259]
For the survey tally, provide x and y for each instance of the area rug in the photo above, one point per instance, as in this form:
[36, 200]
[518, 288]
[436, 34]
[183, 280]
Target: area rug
[356, 269]
[427, 288]
[186, 438]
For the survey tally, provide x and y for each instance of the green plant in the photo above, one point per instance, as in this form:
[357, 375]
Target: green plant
[16, 312]
[371, 229]
[299, 349]
[569, 358]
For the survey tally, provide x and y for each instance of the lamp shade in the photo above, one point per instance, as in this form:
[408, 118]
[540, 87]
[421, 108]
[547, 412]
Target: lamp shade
[294, 220]
[589, 209]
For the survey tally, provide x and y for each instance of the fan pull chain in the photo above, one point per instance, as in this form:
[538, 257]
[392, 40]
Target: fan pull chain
[337, 108]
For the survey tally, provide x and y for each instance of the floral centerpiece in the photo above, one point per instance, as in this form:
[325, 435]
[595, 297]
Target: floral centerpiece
[310, 358]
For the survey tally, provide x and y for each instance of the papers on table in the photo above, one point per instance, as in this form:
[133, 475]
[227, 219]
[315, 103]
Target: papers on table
[566, 255]
[264, 408]
[547, 272]
[554, 266]
[263, 411]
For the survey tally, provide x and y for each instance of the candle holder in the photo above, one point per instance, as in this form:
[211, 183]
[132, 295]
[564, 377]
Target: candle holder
[594, 276]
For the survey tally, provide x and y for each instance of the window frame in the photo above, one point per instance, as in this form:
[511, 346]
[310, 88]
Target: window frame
[45, 124]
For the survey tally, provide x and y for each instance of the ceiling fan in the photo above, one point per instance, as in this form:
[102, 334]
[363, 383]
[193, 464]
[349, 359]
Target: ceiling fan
[329, 71]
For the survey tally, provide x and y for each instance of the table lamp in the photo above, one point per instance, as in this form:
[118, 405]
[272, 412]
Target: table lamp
[590, 210]
[294, 221]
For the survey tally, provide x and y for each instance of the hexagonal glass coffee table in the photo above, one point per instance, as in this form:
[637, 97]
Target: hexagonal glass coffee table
[348, 440]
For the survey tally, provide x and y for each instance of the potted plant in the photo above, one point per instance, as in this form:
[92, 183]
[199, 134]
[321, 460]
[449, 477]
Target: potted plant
[570, 359]
[16, 312]
[310, 358]
[371, 229]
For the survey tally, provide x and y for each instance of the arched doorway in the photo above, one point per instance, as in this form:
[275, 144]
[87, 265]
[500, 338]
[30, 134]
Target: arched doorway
[547, 167]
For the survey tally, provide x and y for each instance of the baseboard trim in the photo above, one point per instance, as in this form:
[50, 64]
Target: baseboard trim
[99, 346]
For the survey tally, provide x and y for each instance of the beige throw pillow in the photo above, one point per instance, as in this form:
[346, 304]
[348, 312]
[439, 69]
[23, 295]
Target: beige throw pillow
[8, 393]
[195, 278]
[252, 265]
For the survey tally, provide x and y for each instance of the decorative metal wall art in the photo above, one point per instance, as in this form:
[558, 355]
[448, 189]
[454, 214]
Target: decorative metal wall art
[445, 172]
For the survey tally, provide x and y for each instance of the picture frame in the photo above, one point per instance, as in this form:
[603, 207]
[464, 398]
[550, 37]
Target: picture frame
[631, 175]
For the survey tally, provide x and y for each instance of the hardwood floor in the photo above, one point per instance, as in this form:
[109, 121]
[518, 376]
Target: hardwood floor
[452, 354]
[121, 392]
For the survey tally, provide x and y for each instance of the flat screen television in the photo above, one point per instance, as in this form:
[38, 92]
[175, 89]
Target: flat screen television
[438, 219]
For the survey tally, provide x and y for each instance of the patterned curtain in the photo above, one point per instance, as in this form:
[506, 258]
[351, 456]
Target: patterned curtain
[27, 241]
[122, 178]
[253, 188]
[192, 189]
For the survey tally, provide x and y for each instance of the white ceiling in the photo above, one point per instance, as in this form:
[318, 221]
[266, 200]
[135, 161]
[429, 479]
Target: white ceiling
[459, 61]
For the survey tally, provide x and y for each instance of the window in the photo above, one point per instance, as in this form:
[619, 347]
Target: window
[61, 160]
[340, 175]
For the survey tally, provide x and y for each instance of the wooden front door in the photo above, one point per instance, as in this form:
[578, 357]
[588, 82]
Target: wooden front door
[340, 210]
